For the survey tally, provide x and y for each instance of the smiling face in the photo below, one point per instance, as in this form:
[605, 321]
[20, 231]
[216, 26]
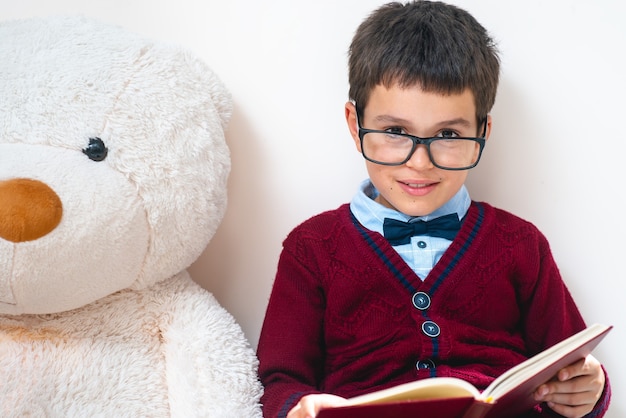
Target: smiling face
[417, 187]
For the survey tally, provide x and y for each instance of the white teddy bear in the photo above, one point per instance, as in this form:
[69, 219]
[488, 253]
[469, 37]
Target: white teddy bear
[113, 170]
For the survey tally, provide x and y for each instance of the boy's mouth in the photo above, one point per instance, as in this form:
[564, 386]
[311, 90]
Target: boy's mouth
[418, 185]
[420, 188]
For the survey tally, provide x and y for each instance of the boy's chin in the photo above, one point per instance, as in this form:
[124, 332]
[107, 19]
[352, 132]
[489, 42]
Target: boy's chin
[409, 208]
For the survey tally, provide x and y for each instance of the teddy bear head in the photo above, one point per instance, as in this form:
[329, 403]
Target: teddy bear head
[113, 162]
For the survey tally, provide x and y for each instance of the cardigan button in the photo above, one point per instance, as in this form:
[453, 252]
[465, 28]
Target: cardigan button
[431, 329]
[421, 301]
[425, 364]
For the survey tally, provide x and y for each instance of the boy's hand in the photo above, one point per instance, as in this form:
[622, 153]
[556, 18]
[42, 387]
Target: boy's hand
[575, 390]
[310, 405]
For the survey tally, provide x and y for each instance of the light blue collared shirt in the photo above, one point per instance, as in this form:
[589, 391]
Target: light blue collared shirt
[423, 252]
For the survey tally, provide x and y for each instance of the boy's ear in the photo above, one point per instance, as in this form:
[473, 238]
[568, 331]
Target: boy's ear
[488, 132]
[351, 119]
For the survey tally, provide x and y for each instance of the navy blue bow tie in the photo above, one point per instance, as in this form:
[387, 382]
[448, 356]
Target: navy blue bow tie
[399, 232]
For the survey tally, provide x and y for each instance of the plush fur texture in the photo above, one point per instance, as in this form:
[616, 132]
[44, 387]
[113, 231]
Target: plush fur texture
[113, 170]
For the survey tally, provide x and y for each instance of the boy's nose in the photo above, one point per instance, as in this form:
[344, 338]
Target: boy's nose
[420, 158]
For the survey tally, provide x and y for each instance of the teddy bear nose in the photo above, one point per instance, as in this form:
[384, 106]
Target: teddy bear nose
[29, 209]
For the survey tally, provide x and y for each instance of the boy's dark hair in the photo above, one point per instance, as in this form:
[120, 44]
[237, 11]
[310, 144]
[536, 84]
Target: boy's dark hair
[440, 47]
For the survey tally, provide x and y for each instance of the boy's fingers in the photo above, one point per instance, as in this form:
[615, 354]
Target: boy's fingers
[580, 368]
[570, 411]
[565, 397]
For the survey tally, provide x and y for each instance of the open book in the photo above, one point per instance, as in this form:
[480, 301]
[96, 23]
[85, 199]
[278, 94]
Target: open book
[448, 397]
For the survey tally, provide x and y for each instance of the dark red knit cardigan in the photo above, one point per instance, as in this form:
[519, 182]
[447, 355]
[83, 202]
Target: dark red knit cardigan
[341, 318]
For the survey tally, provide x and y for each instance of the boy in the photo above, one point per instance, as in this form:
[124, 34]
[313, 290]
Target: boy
[359, 303]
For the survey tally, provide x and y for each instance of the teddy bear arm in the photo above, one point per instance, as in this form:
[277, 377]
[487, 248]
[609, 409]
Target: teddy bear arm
[210, 367]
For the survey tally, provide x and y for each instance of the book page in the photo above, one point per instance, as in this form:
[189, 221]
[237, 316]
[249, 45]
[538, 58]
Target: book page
[433, 388]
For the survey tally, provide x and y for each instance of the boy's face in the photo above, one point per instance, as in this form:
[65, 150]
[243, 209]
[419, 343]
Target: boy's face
[417, 187]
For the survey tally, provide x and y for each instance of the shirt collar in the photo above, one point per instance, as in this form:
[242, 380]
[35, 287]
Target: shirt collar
[371, 213]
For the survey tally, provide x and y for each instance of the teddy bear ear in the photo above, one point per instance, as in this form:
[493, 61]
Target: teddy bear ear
[220, 96]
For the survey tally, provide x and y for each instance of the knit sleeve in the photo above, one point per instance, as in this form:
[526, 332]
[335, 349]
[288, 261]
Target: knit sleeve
[551, 315]
[290, 348]
[549, 311]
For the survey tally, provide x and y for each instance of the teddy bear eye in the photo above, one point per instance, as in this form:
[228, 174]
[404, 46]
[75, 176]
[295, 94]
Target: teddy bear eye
[96, 150]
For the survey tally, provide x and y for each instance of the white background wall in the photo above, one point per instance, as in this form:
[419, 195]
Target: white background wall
[555, 157]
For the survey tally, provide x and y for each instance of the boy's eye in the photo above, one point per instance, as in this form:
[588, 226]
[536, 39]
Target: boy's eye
[447, 134]
[395, 130]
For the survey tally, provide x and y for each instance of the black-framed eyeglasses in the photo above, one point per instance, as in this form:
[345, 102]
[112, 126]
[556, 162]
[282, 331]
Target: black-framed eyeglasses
[390, 148]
